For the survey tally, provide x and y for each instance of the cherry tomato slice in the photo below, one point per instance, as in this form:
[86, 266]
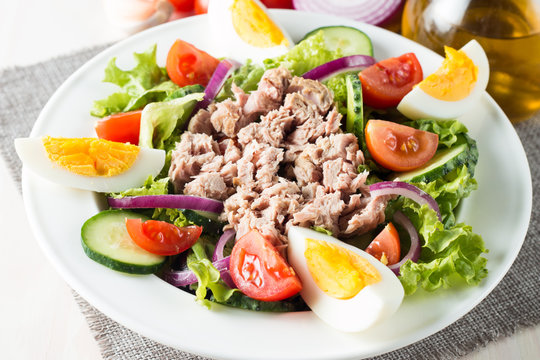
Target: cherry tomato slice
[387, 243]
[183, 5]
[201, 7]
[187, 65]
[162, 238]
[122, 127]
[259, 271]
[399, 147]
[385, 83]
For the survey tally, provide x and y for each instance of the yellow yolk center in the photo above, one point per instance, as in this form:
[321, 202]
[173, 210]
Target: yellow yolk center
[338, 272]
[91, 156]
[254, 26]
[454, 80]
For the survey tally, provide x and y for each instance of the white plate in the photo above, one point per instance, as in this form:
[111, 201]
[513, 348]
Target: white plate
[499, 210]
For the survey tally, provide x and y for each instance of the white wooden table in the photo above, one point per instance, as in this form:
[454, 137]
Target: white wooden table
[39, 318]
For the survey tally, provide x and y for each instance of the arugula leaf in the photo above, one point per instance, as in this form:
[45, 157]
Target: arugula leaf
[146, 82]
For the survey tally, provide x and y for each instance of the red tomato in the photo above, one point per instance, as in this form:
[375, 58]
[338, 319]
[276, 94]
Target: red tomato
[399, 147]
[259, 271]
[385, 83]
[201, 7]
[162, 238]
[183, 5]
[283, 4]
[122, 127]
[187, 65]
[387, 243]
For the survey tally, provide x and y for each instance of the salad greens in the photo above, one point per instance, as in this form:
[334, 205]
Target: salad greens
[146, 82]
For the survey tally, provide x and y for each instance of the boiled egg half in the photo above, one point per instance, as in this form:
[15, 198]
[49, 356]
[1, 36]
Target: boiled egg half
[243, 29]
[89, 163]
[343, 285]
[453, 89]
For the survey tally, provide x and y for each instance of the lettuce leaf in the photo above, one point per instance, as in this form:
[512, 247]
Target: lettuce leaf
[150, 187]
[451, 253]
[446, 129]
[160, 120]
[208, 276]
[146, 82]
[173, 216]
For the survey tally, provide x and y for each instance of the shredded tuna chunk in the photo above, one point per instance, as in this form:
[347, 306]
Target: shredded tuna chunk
[277, 157]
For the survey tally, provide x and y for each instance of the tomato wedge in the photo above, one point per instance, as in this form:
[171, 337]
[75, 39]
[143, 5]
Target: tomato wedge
[259, 271]
[385, 83]
[187, 65]
[121, 127]
[162, 238]
[399, 147]
[201, 7]
[387, 244]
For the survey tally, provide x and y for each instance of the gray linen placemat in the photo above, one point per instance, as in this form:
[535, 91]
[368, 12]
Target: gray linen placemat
[513, 304]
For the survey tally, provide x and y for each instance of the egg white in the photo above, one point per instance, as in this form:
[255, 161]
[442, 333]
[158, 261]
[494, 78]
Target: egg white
[370, 306]
[229, 44]
[35, 158]
[418, 105]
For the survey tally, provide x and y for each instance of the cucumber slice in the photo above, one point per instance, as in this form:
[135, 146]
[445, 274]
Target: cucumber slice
[209, 221]
[463, 152]
[355, 108]
[105, 240]
[350, 40]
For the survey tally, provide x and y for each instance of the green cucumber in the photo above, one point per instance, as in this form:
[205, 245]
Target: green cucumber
[355, 108]
[209, 221]
[463, 152]
[105, 240]
[350, 40]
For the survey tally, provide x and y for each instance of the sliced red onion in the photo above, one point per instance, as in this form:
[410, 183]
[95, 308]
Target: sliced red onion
[414, 251]
[224, 69]
[370, 11]
[223, 240]
[167, 201]
[188, 277]
[338, 66]
[405, 189]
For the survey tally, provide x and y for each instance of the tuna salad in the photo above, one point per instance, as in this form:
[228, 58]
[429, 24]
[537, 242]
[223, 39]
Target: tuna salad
[277, 157]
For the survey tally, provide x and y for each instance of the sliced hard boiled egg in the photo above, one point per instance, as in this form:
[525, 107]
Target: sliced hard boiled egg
[453, 89]
[89, 163]
[243, 29]
[343, 285]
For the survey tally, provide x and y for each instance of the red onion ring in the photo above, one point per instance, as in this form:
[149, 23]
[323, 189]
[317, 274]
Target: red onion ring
[223, 240]
[167, 201]
[405, 189]
[224, 69]
[338, 66]
[415, 249]
[370, 11]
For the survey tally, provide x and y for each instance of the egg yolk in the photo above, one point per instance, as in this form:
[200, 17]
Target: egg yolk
[91, 156]
[339, 272]
[454, 80]
[254, 26]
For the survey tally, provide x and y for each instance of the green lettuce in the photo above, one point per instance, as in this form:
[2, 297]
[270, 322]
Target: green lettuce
[451, 253]
[150, 187]
[448, 130]
[146, 82]
[173, 216]
[161, 120]
[208, 276]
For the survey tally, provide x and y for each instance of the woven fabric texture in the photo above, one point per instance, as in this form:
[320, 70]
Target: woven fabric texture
[512, 305]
